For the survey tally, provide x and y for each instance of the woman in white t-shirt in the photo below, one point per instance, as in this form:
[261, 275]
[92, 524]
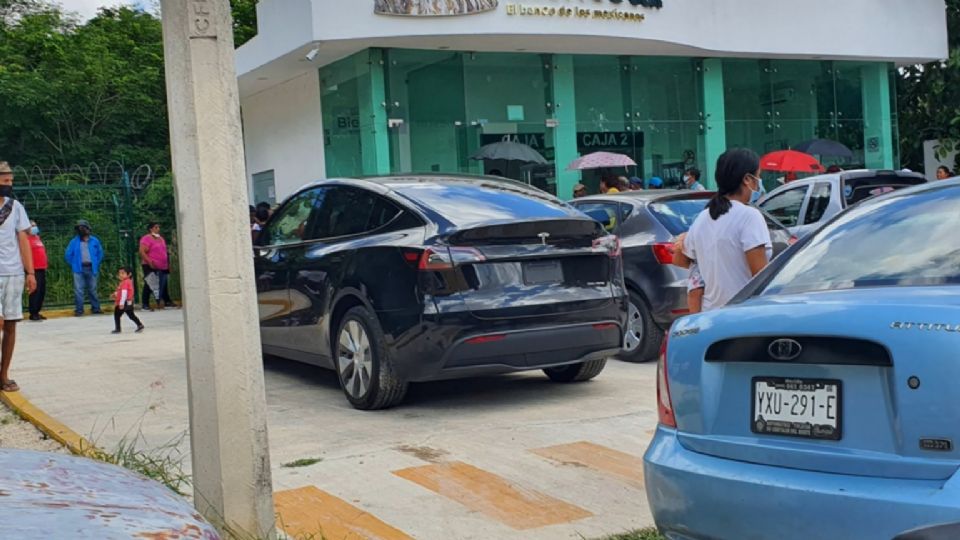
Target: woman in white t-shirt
[729, 241]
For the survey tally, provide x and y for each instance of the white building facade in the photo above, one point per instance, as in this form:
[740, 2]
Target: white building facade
[333, 88]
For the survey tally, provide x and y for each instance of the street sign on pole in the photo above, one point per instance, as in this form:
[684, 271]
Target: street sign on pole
[228, 430]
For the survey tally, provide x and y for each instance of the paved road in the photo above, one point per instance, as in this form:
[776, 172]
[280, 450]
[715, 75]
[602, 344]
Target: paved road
[501, 457]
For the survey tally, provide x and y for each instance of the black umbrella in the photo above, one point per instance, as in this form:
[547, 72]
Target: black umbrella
[509, 151]
[824, 147]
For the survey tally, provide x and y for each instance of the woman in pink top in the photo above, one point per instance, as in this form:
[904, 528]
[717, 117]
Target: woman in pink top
[155, 260]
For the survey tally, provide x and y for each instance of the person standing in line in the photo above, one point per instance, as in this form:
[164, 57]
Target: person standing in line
[155, 259]
[692, 180]
[84, 255]
[123, 301]
[16, 272]
[729, 241]
[39, 252]
[579, 191]
[608, 185]
[943, 173]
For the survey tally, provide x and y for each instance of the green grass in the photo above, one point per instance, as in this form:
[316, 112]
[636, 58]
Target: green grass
[642, 534]
[163, 464]
[305, 462]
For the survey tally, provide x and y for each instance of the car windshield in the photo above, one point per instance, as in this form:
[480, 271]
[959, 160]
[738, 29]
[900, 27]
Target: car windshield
[902, 241]
[678, 215]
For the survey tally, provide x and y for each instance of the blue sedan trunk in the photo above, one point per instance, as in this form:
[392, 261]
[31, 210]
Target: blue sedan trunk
[821, 404]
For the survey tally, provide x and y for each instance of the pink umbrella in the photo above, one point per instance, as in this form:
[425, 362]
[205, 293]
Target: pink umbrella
[601, 160]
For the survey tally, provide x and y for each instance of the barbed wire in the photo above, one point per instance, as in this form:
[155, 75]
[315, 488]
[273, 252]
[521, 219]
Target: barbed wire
[94, 174]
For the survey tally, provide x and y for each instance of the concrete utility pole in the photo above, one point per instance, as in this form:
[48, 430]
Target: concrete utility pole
[228, 430]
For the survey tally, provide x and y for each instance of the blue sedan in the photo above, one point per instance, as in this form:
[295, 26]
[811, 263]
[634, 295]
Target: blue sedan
[823, 402]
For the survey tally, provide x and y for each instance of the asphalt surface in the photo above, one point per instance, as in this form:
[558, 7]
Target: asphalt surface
[499, 457]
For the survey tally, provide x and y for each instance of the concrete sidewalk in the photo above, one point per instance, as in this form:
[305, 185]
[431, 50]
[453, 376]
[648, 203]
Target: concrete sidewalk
[502, 457]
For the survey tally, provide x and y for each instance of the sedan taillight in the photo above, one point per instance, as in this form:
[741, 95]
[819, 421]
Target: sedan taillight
[664, 403]
[442, 258]
[663, 252]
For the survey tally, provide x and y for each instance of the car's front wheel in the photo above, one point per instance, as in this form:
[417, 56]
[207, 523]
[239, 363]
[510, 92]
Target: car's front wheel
[642, 340]
[576, 372]
[363, 363]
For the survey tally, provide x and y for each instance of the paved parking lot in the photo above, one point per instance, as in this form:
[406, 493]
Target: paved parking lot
[501, 457]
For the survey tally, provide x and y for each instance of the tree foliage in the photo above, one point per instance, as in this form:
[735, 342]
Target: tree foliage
[929, 99]
[79, 93]
[244, 20]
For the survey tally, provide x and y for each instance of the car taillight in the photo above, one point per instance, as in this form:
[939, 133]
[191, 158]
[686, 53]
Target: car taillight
[664, 403]
[663, 252]
[609, 244]
[442, 258]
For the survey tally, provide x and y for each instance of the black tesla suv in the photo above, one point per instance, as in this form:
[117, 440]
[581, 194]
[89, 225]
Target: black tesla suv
[414, 278]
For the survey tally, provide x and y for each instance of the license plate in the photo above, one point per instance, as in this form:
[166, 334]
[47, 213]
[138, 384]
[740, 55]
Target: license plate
[806, 408]
[536, 273]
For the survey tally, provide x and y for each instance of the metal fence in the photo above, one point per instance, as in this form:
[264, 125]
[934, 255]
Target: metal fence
[118, 202]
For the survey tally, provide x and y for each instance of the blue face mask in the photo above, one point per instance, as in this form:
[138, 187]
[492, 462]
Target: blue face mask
[755, 196]
[34, 230]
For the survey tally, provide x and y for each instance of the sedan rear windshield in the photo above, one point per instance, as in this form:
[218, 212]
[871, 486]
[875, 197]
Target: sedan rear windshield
[469, 204]
[902, 241]
[678, 215]
[859, 189]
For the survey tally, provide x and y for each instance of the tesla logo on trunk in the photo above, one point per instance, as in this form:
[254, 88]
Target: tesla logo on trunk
[543, 237]
[784, 349]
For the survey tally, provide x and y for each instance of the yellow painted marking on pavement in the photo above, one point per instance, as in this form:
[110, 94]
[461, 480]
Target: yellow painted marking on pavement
[626, 467]
[309, 511]
[47, 424]
[493, 495]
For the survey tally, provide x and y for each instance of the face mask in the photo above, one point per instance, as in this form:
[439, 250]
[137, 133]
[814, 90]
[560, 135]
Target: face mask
[6, 191]
[34, 230]
[156, 235]
[755, 193]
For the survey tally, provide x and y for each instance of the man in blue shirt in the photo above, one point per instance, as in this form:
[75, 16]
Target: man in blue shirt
[84, 255]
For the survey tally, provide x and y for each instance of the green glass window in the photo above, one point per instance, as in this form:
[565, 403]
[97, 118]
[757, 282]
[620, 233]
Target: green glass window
[341, 96]
[648, 108]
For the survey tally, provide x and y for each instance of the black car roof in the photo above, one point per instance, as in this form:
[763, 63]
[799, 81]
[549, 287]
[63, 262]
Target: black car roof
[454, 201]
[385, 183]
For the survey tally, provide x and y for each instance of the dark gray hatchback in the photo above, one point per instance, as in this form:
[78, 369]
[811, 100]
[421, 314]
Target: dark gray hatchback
[647, 223]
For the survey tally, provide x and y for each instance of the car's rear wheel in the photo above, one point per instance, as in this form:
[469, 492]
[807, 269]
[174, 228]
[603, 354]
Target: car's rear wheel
[642, 341]
[363, 363]
[576, 372]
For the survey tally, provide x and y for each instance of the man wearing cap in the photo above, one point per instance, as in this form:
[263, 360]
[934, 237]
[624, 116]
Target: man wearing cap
[16, 271]
[84, 255]
[579, 191]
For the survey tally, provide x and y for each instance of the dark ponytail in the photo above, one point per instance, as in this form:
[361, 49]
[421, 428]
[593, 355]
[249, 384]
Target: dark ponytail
[732, 166]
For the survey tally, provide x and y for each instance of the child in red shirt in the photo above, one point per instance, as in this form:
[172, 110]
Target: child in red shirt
[123, 300]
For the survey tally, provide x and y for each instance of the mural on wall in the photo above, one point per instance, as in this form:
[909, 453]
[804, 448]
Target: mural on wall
[433, 8]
